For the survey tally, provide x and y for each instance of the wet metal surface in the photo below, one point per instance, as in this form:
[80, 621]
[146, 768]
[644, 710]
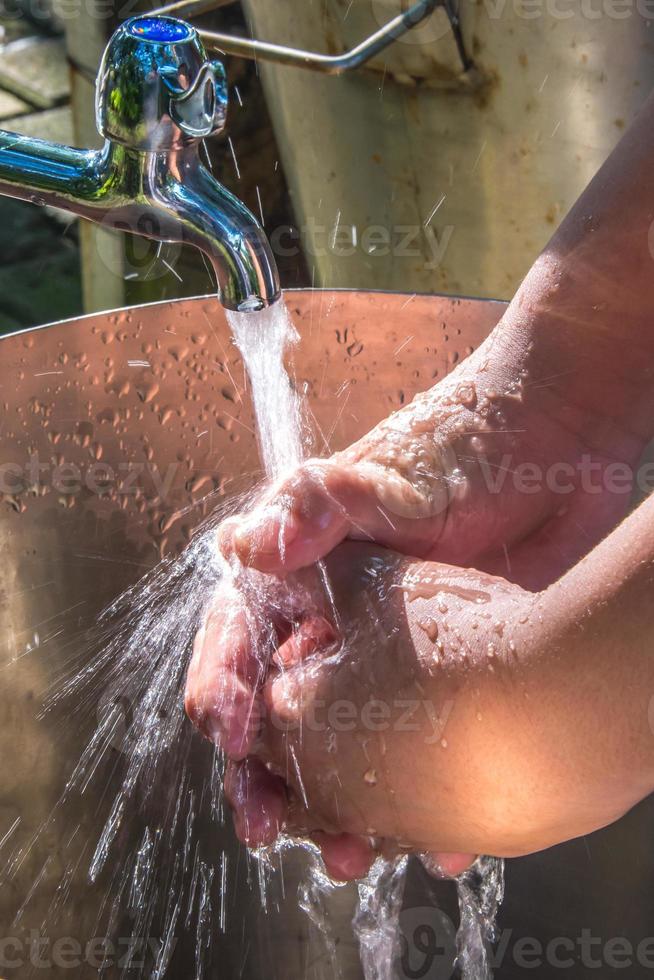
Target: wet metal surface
[120, 432]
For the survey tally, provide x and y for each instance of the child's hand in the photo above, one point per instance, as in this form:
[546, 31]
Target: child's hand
[501, 466]
[415, 719]
[439, 709]
[564, 384]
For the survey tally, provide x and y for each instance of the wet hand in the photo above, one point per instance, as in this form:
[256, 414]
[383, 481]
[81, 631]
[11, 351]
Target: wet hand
[492, 468]
[392, 727]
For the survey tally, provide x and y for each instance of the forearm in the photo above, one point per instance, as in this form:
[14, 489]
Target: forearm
[591, 683]
[582, 323]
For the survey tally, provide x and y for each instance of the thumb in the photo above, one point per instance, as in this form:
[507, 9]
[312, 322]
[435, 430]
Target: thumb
[325, 501]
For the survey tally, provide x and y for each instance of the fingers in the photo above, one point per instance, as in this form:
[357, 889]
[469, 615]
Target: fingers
[313, 634]
[258, 800]
[445, 865]
[224, 678]
[346, 857]
[318, 506]
[305, 519]
[232, 659]
[260, 808]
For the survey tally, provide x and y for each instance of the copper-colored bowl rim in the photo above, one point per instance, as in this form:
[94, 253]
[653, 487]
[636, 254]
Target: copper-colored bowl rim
[345, 290]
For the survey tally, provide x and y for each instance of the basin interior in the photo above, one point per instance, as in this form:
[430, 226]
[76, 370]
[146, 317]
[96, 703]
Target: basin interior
[122, 432]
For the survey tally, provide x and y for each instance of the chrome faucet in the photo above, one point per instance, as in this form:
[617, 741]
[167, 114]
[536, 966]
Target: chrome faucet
[157, 97]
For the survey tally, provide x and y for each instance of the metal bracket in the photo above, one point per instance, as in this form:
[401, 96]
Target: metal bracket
[327, 64]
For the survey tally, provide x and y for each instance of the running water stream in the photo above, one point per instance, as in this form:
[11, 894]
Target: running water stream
[263, 341]
[176, 875]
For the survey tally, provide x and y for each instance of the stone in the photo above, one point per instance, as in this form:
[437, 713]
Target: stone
[11, 106]
[36, 70]
[53, 124]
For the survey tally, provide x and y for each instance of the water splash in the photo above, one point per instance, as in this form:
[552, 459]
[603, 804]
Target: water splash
[376, 923]
[313, 894]
[155, 851]
[144, 751]
[480, 891]
[264, 340]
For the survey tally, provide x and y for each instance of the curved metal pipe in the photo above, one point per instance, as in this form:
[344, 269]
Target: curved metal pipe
[167, 196]
[215, 221]
[332, 64]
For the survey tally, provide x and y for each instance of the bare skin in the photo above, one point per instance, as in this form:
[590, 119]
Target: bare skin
[502, 753]
[565, 380]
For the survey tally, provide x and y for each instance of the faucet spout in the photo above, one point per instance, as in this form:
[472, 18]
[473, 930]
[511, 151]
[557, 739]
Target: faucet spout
[157, 97]
[219, 224]
[167, 196]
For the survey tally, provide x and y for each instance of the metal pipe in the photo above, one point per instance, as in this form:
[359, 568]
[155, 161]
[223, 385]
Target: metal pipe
[166, 197]
[190, 8]
[328, 64]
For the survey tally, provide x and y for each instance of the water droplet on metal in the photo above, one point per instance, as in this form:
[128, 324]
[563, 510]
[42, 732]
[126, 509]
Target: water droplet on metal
[370, 777]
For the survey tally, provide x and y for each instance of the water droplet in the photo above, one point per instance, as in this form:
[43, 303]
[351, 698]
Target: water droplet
[466, 394]
[430, 627]
[147, 392]
[179, 353]
[370, 777]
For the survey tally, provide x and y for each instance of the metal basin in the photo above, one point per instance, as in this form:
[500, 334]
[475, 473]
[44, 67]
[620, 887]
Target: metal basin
[121, 431]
